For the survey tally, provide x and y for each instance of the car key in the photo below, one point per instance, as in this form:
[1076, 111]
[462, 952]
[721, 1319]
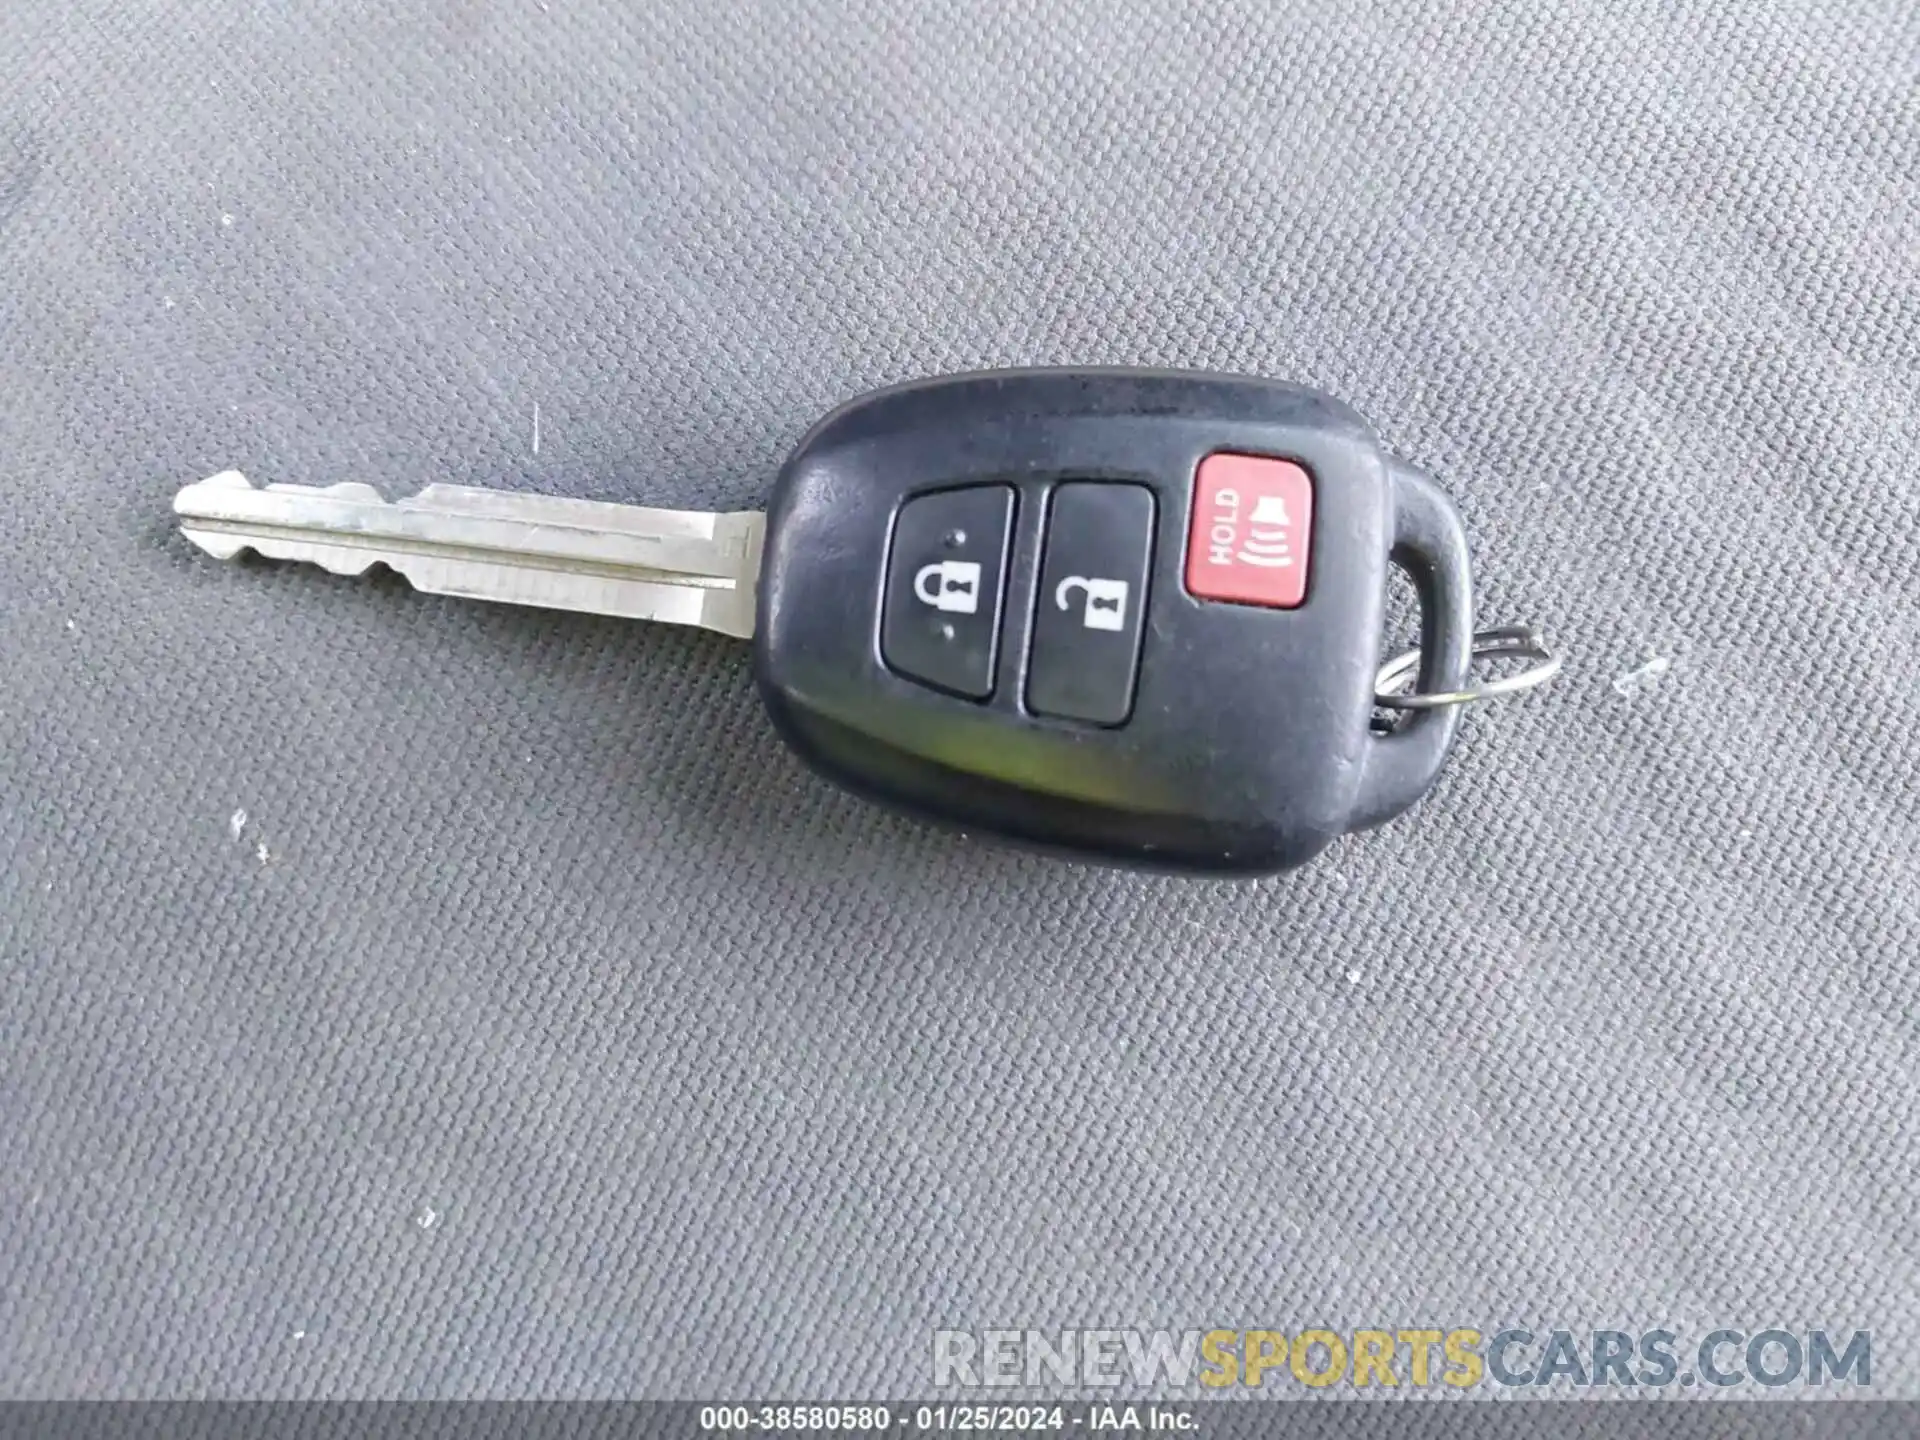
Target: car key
[1128, 615]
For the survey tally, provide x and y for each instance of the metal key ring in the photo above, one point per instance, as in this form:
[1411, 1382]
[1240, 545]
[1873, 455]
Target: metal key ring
[1524, 641]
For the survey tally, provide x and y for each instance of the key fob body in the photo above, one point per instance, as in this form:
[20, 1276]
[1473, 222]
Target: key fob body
[1133, 615]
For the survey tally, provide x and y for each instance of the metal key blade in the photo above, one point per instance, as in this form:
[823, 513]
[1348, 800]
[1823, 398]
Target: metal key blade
[688, 567]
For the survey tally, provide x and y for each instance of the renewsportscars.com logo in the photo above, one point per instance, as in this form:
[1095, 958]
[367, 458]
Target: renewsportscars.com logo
[1461, 1358]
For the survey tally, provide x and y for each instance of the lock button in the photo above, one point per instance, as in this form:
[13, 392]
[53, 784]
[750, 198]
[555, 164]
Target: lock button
[940, 619]
[1090, 610]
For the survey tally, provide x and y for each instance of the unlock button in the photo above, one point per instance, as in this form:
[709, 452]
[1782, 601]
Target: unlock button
[1089, 614]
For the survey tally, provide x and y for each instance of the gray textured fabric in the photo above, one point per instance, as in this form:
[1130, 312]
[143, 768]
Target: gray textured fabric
[548, 1031]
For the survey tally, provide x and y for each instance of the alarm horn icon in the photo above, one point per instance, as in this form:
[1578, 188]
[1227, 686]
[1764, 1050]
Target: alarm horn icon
[1269, 541]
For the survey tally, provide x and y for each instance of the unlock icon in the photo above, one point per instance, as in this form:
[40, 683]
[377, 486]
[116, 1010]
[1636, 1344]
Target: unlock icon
[1106, 601]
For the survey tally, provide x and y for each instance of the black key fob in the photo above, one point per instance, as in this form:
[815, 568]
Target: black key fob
[1134, 615]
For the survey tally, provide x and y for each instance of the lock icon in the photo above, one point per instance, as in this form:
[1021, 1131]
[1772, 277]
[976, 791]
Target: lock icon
[949, 585]
[1106, 607]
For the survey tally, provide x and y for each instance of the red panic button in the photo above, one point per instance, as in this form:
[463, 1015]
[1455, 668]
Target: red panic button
[1251, 533]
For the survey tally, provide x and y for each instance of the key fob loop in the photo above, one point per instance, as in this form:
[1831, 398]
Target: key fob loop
[1430, 544]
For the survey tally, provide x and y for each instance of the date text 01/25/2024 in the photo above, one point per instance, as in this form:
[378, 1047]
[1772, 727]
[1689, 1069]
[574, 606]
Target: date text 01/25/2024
[949, 1419]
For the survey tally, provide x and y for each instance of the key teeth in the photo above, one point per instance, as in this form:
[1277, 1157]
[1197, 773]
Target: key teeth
[687, 567]
[343, 562]
[334, 559]
[221, 547]
[346, 490]
[225, 481]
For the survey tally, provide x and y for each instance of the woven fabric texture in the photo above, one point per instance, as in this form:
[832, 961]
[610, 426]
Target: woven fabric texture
[542, 1028]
